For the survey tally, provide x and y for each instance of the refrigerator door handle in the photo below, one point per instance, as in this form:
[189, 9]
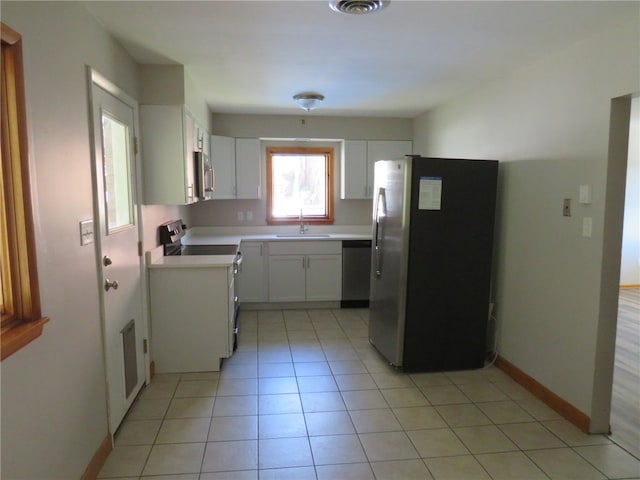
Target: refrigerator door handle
[380, 213]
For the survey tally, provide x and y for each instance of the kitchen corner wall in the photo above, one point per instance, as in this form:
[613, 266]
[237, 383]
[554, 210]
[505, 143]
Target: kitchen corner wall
[303, 126]
[548, 124]
[54, 411]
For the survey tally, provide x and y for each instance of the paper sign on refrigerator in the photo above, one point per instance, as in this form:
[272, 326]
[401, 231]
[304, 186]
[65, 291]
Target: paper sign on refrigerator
[430, 195]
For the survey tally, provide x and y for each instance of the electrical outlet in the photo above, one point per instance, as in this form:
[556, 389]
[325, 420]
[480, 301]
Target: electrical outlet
[566, 207]
[249, 216]
[241, 216]
[587, 227]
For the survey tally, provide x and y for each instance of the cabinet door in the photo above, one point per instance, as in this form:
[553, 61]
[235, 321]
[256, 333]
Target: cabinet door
[287, 278]
[353, 181]
[230, 331]
[324, 277]
[251, 278]
[206, 144]
[189, 318]
[248, 168]
[223, 159]
[167, 154]
[384, 150]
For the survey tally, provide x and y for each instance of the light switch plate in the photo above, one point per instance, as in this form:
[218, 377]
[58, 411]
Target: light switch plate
[86, 232]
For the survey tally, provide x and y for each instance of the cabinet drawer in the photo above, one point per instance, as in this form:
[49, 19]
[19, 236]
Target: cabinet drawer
[305, 247]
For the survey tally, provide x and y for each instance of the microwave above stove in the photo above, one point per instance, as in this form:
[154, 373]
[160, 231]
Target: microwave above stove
[205, 176]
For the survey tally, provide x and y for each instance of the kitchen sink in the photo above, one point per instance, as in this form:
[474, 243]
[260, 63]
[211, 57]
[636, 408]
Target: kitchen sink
[303, 235]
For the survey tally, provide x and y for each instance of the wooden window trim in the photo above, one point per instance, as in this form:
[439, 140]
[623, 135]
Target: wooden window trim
[327, 219]
[22, 322]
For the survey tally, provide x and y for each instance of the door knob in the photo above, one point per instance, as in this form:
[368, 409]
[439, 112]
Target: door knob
[106, 260]
[110, 284]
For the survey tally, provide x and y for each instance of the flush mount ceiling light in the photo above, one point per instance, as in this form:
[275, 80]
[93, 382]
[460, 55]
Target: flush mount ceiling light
[357, 7]
[308, 101]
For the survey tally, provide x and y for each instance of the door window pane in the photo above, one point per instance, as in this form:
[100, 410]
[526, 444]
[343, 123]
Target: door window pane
[117, 173]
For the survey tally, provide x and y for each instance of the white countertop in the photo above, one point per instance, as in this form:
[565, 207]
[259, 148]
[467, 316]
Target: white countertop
[156, 259]
[235, 235]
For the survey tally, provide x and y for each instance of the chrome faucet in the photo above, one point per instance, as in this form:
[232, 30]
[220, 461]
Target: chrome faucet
[303, 227]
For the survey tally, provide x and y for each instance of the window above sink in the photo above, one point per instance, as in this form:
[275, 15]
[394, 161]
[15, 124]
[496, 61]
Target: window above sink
[299, 185]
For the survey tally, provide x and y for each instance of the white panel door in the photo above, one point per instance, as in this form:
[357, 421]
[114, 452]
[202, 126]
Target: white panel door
[119, 265]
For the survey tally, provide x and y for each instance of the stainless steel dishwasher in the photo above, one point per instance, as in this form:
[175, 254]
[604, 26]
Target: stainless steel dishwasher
[356, 267]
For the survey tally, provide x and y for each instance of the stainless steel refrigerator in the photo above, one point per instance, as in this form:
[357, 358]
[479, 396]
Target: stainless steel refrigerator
[433, 222]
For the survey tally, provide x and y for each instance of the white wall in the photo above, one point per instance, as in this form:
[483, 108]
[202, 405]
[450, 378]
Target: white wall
[306, 126]
[54, 413]
[630, 261]
[548, 124]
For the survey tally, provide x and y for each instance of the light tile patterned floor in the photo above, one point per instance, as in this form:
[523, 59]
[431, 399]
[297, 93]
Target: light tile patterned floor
[306, 397]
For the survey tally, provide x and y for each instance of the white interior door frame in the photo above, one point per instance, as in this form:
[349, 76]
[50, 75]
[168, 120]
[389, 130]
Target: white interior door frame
[619, 124]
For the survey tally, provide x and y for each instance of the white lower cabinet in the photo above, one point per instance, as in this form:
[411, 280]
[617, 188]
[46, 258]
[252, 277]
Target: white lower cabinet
[324, 277]
[305, 271]
[287, 278]
[252, 281]
[191, 318]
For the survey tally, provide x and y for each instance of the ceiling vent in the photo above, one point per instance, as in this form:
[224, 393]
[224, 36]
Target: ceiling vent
[357, 7]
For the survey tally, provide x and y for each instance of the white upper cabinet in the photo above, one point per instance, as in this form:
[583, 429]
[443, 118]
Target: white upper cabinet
[354, 181]
[358, 159]
[202, 139]
[236, 163]
[248, 168]
[223, 159]
[169, 134]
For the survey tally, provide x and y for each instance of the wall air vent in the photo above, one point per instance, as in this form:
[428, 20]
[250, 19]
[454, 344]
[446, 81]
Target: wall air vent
[357, 7]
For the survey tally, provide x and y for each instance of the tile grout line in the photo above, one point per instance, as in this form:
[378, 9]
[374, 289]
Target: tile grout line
[414, 384]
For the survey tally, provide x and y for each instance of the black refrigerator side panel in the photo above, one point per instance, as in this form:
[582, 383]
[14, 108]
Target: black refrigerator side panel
[450, 259]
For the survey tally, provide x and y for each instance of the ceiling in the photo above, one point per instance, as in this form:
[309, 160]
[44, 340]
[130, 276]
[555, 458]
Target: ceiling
[253, 56]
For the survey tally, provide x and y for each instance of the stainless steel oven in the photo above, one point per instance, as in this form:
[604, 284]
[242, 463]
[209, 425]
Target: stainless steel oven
[170, 235]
